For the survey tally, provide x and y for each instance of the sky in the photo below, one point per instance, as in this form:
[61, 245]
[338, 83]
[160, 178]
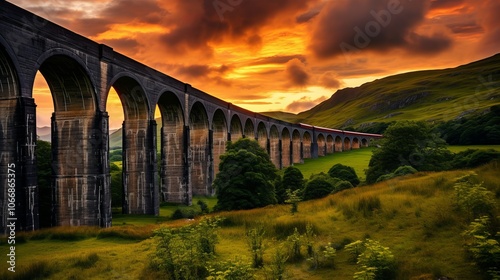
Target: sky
[277, 55]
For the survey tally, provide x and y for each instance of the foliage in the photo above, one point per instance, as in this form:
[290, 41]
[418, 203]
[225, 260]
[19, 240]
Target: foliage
[408, 143]
[483, 247]
[255, 237]
[294, 243]
[293, 198]
[474, 157]
[471, 198]
[245, 177]
[324, 257]
[345, 173]
[44, 177]
[280, 190]
[277, 269]
[293, 178]
[374, 260]
[475, 130]
[400, 171]
[342, 185]
[185, 253]
[317, 188]
[203, 206]
[230, 270]
[116, 185]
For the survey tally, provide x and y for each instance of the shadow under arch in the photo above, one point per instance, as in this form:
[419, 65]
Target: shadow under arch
[174, 169]
[286, 148]
[140, 193]
[199, 152]
[219, 138]
[80, 184]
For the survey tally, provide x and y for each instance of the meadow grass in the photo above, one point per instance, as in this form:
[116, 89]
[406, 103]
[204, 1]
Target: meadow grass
[413, 215]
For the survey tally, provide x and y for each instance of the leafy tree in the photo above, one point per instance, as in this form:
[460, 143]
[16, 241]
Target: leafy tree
[293, 179]
[408, 143]
[245, 177]
[317, 188]
[116, 185]
[44, 174]
[345, 173]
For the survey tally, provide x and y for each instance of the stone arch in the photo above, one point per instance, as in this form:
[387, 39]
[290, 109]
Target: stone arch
[199, 152]
[355, 143]
[296, 147]
[249, 130]
[338, 144]
[262, 136]
[173, 150]
[220, 134]
[285, 148]
[274, 146]
[306, 145]
[17, 145]
[347, 144]
[321, 145]
[364, 143]
[236, 128]
[79, 144]
[138, 147]
[330, 144]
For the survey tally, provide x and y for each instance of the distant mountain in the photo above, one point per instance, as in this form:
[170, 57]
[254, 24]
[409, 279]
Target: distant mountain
[432, 95]
[43, 133]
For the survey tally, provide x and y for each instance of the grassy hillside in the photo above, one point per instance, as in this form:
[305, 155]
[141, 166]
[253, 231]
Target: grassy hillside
[415, 218]
[435, 95]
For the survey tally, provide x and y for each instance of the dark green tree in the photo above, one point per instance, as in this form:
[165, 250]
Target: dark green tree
[408, 143]
[345, 173]
[293, 179]
[245, 178]
[317, 188]
[116, 185]
[44, 174]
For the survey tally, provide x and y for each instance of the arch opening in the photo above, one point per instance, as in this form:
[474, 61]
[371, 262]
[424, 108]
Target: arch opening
[140, 193]
[355, 143]
[249, 129]
[347, 144]
[296, 147]
[262, 136]
[173, 170]
[199, 152]
[285, 148]
[306, 145]
[330, 144]
[274, 146]
[338, 144]
[321, 145]
[220, 135]
[236, 128]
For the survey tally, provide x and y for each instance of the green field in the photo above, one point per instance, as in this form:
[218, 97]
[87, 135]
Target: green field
[359, 159]
[416, 220]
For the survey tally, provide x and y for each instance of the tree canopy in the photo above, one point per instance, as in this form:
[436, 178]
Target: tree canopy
[408, 143]
[245, 178]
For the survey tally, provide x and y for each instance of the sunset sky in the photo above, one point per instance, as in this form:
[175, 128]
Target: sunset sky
[269, 55]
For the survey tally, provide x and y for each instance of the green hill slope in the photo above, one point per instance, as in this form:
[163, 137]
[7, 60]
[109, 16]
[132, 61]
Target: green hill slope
[433, 95]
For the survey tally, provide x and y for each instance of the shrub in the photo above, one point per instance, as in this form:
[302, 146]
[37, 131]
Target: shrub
[385, 177]
[405, 170]
[374, 260]
[473, 199]
[255, 237]
[230, 270]
[317, 188]
[342, 185]
[203, 206]
[294, 243]
[484, 249]
[277, 268]
[345, 173]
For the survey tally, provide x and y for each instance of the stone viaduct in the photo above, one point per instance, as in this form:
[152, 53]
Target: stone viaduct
[195, 128]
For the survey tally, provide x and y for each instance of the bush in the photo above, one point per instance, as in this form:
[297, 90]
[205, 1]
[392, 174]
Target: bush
[255, 237]
[374, 260]
[345, 173]
[404, 170]
[342, 185]
[317, 188]
[473, 158]
[473, 199]
[483, 247]
[231, 270]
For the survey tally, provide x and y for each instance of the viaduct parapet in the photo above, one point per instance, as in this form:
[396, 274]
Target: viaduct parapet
[195, 128]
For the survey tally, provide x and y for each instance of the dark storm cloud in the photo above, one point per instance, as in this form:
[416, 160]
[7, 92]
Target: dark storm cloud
[297, 73]
[445, 4]
[197, 24]
[364, 25]
[329, 80]
[147, 11]
[465, 28]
